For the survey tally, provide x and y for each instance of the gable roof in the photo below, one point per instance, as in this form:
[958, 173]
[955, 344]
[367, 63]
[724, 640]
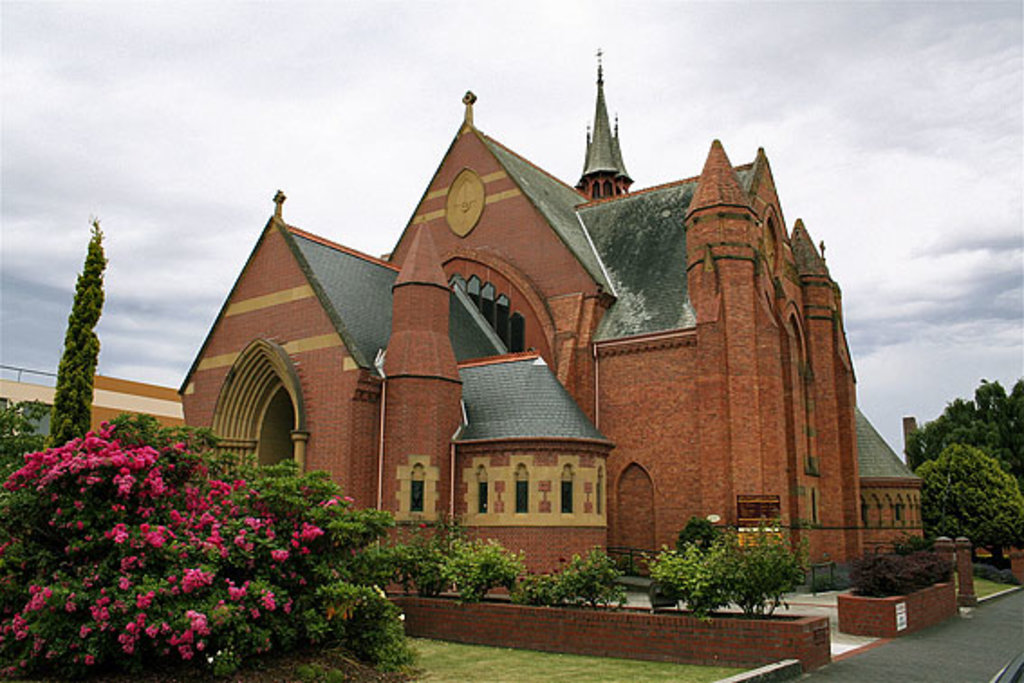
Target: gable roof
[877, 460]
[518, 397]
[557, 202]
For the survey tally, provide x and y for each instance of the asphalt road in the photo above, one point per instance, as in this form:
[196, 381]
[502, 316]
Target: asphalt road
[959, 650]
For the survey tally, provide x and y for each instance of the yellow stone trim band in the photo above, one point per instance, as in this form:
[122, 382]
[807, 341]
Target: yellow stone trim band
[257, 303]
[323, 341]
[489, 178]
[501, 196]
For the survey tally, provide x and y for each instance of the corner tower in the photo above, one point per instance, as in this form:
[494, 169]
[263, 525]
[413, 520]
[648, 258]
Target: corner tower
[422, 390]
[604, 174]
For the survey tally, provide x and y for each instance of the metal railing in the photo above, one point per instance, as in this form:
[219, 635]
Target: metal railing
[27, 375]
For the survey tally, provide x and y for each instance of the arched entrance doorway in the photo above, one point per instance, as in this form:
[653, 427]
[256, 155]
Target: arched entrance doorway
[635, 507]
[260, 409]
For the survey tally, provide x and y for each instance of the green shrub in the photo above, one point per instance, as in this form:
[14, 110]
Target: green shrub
[591, 581]
[694, 575]
[474, 567]
[419, 560]
[761, 572]
[539, 590]
[698, 532]
[127, 550]
[754, 577]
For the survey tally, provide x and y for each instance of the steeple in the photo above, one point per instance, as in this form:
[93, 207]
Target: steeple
[604, 173]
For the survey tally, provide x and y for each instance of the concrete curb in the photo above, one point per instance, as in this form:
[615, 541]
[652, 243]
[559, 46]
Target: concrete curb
[786, 670]
[1000, 594]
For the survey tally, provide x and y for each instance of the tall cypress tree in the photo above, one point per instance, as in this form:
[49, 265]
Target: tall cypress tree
[72, 402]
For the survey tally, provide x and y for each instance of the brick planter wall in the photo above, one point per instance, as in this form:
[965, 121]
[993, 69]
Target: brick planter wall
[863, 616]
[628, 633]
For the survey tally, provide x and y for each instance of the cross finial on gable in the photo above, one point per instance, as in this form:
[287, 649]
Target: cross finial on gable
[279, 200]
[468, 99]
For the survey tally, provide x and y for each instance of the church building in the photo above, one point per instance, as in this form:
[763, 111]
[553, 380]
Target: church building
[562, 366]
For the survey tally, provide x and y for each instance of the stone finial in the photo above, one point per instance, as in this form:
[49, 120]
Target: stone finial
[279, 202]
[821, 246]
[469, 99]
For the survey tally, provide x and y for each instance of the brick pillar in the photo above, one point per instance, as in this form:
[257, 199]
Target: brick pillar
[1017, 563]
[947, 550]
[965, 573]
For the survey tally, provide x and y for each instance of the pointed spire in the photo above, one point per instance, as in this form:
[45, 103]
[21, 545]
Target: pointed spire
[603, 165]
[808, 260]
[718, 184]
[422, 265]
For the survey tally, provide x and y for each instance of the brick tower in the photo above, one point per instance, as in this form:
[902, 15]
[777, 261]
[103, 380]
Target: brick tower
[422, 389]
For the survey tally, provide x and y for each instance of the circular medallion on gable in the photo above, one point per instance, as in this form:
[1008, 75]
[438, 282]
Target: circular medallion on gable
[465, 202]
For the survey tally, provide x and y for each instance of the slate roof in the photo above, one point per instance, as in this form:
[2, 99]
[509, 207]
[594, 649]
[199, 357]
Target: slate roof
[356, 290]
[642, 242]
[520, 398]
[877, 459]
[556, 201]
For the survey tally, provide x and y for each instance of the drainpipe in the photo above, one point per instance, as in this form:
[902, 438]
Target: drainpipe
[379, 364]
[451, 461]
[597, 389]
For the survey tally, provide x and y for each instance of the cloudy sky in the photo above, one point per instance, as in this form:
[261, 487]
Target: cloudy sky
[893, 129]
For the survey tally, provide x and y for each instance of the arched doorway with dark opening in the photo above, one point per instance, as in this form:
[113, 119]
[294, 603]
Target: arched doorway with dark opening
[260, 410]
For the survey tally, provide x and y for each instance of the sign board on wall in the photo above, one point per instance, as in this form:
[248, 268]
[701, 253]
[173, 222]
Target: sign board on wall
[901, 616]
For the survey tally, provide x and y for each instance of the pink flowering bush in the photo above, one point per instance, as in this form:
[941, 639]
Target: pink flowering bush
[137, 548]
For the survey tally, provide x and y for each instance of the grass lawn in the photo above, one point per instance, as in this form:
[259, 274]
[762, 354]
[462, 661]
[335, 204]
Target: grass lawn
[984, 587]
[442, 661]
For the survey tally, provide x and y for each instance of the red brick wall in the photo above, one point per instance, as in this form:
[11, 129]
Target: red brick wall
[547, 548]
[632, 634]
[876, 617]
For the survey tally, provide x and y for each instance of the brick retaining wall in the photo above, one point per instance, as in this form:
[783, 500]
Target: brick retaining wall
[863, 616]
[628, 633]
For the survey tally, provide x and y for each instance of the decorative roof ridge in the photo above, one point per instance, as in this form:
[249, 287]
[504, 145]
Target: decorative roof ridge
[323, 241]
[653, 188]
[497, 360]
[533, 165]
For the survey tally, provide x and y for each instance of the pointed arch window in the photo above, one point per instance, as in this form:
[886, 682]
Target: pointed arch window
[457, 281]
[517, 333]
[567, 489]
[487, 303]
[473, 289]
[501, 323]
[522, 489]
[481, 489]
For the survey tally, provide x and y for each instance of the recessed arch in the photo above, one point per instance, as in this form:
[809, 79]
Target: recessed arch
[635, 508]
[260, 407]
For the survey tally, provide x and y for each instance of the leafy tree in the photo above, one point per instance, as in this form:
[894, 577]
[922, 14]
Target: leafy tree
[18, 435]
[966, 493]
[993, 422]
[72, 402]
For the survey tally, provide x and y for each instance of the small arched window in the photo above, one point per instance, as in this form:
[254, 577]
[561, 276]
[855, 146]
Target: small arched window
[481, 489]
[416, 489]
[600, 490]
[863, 512]
[814, 506]
[606, 190]
[567, 489]
[522, 489]
[596, 190]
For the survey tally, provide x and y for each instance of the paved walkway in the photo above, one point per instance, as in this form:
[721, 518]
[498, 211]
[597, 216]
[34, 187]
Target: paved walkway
[965, 649]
